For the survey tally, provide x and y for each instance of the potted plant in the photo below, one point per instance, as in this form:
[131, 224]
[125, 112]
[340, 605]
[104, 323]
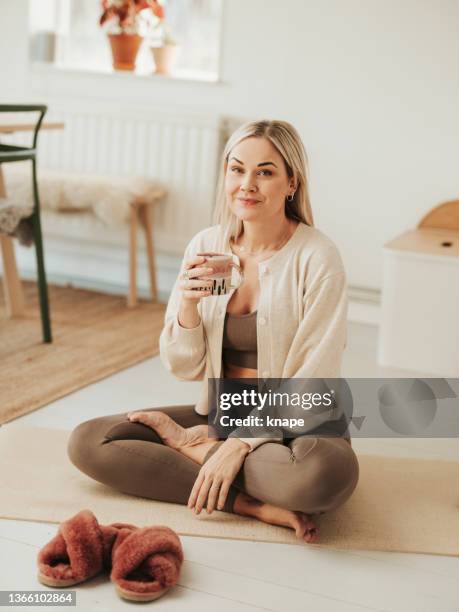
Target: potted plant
[127, 22]
[166, 53]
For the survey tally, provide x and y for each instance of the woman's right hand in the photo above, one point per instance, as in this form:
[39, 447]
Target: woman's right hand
[193, 288]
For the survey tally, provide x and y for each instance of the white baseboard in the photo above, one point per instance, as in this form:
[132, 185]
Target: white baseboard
[364, 305]
[104, 267]
[101, 267]
[367, 313]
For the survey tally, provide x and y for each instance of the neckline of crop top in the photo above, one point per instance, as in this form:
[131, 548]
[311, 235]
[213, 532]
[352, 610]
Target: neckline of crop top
[237, 316]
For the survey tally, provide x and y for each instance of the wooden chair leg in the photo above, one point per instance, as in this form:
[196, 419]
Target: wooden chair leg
[132, 296]
[147, 223]
[14, 294]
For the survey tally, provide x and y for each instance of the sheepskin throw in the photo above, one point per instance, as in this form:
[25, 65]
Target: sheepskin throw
[108, 198]
[14, 222]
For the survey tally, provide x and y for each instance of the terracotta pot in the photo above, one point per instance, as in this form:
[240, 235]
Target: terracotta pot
[165, 58]
[124, 50]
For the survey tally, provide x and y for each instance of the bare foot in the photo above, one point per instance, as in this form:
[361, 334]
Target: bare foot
[172, 434]
[301, 522]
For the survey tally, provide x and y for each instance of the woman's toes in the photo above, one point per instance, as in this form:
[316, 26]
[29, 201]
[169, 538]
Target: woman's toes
[305, 528]
[311, 535]
[136, 413]
[145, 417]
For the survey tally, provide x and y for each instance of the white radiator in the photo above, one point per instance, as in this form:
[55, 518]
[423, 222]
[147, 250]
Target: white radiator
[179, 149]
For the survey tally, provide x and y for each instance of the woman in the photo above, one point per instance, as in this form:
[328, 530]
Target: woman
[287, 320]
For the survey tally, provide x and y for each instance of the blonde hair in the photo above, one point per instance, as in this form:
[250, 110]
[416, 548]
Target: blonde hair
[289, 144]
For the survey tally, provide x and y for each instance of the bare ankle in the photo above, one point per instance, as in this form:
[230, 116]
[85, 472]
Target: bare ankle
[198, 452]
[246, 505]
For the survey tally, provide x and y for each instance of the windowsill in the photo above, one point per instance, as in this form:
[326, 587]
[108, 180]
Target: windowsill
[178, 75]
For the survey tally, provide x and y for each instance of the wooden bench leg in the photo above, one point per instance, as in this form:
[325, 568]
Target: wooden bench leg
[132, 296]
[12, 285]
[14, 295]
[147, 223]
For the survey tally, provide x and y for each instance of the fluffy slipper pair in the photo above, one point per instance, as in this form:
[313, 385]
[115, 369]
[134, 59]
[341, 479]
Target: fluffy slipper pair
[144, 563]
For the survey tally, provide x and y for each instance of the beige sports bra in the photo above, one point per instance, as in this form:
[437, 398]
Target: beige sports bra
[239, 345]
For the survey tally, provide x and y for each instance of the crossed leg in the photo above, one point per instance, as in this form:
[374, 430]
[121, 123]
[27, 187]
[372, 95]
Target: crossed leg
[317, 474]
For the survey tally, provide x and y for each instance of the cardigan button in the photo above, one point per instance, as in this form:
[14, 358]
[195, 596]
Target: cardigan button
[262, 320]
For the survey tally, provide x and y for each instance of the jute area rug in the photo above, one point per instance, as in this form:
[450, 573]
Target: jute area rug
[403, 505]
[94, 335]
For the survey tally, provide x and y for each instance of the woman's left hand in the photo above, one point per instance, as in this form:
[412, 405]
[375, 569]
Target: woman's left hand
[216, 476]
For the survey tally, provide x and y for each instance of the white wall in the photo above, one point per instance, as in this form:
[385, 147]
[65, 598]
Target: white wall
[371, 86]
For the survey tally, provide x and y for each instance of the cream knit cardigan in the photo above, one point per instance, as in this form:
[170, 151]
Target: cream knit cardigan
[301, 320]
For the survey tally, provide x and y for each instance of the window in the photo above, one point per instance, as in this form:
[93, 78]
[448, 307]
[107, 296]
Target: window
[67, 33]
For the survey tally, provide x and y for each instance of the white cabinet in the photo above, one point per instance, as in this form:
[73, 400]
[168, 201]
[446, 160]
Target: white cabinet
[420, 302]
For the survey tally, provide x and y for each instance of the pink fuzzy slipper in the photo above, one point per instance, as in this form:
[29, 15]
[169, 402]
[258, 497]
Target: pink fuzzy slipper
[146, 563]
[80, 550]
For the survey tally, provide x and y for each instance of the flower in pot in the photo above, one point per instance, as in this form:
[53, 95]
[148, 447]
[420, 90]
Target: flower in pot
[165, 54]
[127, 22]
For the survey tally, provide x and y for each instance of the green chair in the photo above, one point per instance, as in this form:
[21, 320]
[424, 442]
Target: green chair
[13, 153]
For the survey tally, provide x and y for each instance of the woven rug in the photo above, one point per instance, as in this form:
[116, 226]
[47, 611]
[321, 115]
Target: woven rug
[94, 335]
[401, 505]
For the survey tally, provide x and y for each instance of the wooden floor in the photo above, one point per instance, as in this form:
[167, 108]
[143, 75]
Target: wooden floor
[235, 575]
[94, 335]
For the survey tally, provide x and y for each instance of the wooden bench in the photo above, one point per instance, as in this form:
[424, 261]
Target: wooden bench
[115, 201]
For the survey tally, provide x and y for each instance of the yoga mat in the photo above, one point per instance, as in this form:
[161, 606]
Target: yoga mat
[400, 505]
[94, 335]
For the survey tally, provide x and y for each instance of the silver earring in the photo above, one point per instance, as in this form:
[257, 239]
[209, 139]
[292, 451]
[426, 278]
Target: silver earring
[290, 197]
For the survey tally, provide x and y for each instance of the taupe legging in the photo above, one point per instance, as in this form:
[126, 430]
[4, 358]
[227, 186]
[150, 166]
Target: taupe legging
[312, 474]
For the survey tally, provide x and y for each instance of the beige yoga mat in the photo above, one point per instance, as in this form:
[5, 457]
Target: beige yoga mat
[94, 335]
[403, 505]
